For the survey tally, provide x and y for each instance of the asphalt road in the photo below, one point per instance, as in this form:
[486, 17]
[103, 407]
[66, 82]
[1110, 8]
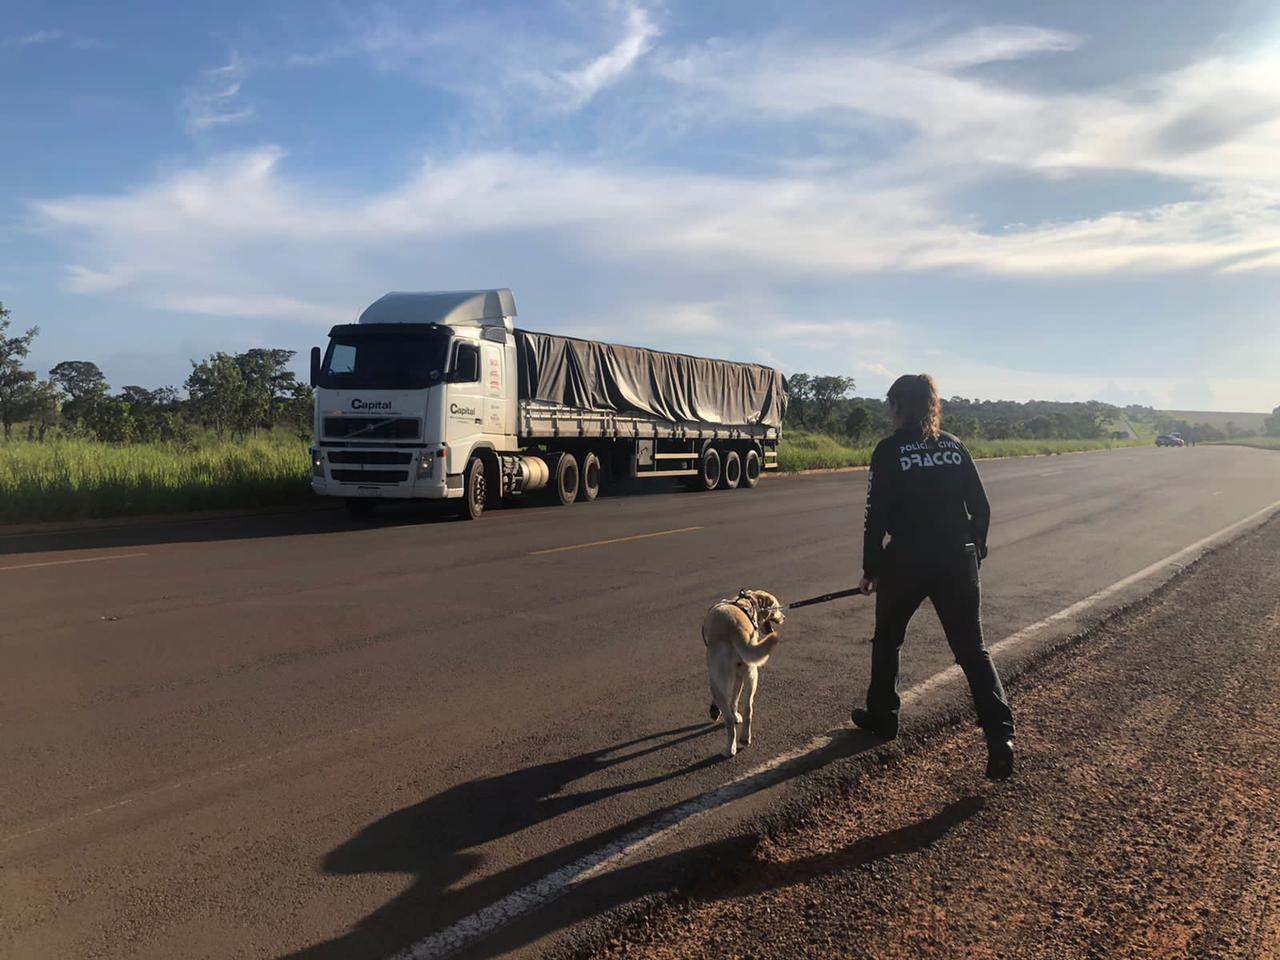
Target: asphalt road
[302, 736]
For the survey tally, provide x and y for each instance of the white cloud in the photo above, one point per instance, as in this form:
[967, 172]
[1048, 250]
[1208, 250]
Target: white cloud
[288, 308]
[33, 39]
[81, 279]
[524, 68]
[1216, 121]
[42, 38]
[992, 44]
[242, 223]
[691, 319]
[877, 369]
[588, 80]
[216, 100]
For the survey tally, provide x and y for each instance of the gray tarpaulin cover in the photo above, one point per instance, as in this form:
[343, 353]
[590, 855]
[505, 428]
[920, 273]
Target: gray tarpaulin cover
[630, 380]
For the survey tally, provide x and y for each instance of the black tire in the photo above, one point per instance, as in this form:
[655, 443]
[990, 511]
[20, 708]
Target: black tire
[475, 491]
[360, 506]
[567, 479]
[731, 475]
[751, 468]
[709, 469]
[589, 488]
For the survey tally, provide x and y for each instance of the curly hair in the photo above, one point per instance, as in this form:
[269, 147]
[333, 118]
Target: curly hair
[915, 396]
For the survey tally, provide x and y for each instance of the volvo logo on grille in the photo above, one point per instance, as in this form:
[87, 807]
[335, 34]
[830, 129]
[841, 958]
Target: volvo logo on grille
[358, 404]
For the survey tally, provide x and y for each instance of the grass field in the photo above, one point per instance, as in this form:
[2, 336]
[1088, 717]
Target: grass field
[809, 451]
[1264, 443]
[72, 479]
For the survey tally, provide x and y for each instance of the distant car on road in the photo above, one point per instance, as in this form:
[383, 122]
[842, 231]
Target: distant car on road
[1165, 440]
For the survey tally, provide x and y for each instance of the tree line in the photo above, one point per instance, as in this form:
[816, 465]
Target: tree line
[1202, 432]
[825, 404]
[231, 395]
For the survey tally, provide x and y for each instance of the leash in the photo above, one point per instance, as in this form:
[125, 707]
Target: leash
[826, 598]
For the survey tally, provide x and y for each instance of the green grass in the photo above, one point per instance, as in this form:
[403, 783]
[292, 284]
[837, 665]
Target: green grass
[800, 450]
[75, 479]
[1145, 431]
[1263, 443]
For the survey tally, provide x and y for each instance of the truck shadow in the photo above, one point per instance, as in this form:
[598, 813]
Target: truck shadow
[309, 520]
[436, 842]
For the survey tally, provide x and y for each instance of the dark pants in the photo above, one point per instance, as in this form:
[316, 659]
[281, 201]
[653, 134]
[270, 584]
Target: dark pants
[948, 580]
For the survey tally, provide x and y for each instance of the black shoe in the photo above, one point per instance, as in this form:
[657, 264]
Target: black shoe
[886, 730]
[1000, 760]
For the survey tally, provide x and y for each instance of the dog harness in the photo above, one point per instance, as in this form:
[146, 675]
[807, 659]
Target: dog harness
[744, 603]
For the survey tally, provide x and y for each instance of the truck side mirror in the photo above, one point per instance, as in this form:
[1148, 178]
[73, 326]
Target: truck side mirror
[315, 366]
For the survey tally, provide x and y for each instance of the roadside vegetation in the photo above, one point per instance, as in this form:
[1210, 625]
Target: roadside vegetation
[70, 479]
[827, 427]
[809, 451]
[235, 435]
[1263, 443]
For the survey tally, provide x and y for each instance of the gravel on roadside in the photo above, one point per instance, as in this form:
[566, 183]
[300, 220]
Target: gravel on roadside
[1144, 820]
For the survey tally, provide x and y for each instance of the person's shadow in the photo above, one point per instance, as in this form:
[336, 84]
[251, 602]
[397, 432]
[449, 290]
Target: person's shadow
[433, 840]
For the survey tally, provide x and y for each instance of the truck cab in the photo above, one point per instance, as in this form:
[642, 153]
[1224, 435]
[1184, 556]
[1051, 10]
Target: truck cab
[406, 396]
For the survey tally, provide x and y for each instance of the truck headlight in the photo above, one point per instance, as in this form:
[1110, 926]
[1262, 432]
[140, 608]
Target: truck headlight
[425, 463]
[317, 463]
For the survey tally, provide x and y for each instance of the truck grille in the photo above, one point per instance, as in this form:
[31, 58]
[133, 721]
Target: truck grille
[369, 456]
[369, 476]
[371, 428]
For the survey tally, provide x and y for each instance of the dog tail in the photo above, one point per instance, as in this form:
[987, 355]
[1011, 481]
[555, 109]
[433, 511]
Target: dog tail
[756, 653]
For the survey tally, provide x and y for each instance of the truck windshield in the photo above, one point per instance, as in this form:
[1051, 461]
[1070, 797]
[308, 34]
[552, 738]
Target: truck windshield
[397, 359]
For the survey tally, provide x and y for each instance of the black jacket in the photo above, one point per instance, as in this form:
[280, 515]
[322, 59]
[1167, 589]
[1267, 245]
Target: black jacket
[926, 495]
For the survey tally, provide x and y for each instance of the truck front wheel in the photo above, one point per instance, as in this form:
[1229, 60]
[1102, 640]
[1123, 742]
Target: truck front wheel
[475, 490]
[567, 479]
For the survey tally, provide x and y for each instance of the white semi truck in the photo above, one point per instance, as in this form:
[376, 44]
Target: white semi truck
[438, 396]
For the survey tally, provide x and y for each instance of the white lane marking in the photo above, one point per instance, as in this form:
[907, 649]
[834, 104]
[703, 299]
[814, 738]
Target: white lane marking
[61, 563]
[485, 921]
[603, 543]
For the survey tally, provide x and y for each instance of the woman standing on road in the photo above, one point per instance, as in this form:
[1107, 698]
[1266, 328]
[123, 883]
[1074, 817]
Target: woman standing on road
[924, 492]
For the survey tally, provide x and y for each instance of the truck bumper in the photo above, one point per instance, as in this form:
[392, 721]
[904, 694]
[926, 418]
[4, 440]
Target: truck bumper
[422, 490]
[433, 485]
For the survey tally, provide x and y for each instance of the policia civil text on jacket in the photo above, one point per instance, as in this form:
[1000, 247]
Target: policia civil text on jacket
[924, 494]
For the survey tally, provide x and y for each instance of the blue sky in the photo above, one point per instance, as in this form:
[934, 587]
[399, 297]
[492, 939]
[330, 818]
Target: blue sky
[1056, 201]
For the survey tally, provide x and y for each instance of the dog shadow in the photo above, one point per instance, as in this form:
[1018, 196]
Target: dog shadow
[437, 840]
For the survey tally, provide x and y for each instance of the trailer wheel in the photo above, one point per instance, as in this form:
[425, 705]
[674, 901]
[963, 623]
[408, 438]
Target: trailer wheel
[590, 487]
[360, 506]
[732, 473]
[709, 469]
[475, 490]
[751, 468]
[567, 478]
